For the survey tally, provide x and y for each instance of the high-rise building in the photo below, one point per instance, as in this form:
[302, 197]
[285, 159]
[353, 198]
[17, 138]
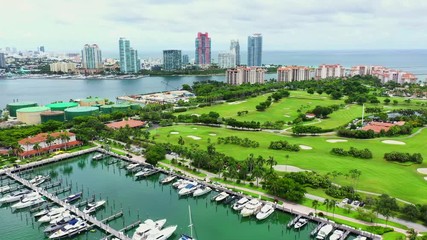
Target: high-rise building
[226, 60]
[185, 59]
[2, 61]
[172, 60]
[295, 73]
[242, 75]
[91, 57]
[330, 71]
[203, 49]
[235, 49]
[41, 49]
[65, 67]
[255, 50]
[129, 61]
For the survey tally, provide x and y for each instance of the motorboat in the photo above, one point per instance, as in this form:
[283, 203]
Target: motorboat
[220, 197]
[265, 211]
[4, 189]
[98, 156]
[39, 179]
[301, 223]
[132, 166]
[184, 184]
[230, 199]
[145, 228]
[16, 196]
[28, 202]
[168, 179]
[41, 213]
[53, 214]
[63, 216]
[163, 234]
[324, 231]
[240, 204]
[190, 188]
[92, 207]
[360, 237]
[54, 227]
[252, 207]
[336, 235]
[73, 227]
[145, 172]
[73, 197]
[202, 190]
[179, 182]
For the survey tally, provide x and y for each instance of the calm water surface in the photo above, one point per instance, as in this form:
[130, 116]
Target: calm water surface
[145, 199]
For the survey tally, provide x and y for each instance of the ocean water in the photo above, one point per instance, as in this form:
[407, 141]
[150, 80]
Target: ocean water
[45, 91]
[145, 199]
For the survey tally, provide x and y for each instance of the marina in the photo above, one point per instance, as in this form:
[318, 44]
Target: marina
[148, 198]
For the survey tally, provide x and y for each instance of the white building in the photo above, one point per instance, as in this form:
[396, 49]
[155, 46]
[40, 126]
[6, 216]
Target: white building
[295, 73]
[91, 57]
[384, 74]
[241, 75]
[330, 71]
[226, 60]
[64, 67]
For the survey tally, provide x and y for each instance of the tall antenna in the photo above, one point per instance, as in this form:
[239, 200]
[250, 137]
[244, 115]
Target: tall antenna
[363, 113]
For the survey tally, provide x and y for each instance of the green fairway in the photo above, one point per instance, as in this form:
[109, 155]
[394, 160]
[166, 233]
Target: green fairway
[378, 175]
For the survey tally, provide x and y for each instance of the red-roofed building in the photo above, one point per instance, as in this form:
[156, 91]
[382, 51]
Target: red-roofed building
[378, 126]
[59, 142]
[131, 123]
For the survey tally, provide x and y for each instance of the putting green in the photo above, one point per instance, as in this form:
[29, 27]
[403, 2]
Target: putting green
[378, 175]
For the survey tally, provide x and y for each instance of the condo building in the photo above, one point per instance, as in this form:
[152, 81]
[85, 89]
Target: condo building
[255, 50]
[203, 49]
[91, 57]
[129, 61]
[172, 60]
[295, 73]
[244, 75]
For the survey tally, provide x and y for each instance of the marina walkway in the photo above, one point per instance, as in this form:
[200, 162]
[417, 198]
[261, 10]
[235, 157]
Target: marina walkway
[73, 209]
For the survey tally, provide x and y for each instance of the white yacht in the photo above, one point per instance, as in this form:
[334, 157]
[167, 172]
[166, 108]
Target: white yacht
[98, 156]
[162, 234]
[145, 228]
[74, 226]
[179, 182]
[221, 196]
[184, 184]
[28, 202]
[92, 207]
[4, 189]
[324, 231]
[301, 223]
[360, 238]
[16, 196]
[39, 179]
[168, 179]
[201, 191]
[336, 235]
[54, 213]
[240, 204]
[265, 211]
[61, 218]
[190, 188]
[132, 166]
[252, 207]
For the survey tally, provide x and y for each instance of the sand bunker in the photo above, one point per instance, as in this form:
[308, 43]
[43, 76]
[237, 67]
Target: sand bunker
[336, 140]
[174, 133]
[286, 116]
[212, 134]
[422, 170]
[237, 102]
[393, 142]
[194, 128]
[304, 147]
[194, 137]
[288, 168]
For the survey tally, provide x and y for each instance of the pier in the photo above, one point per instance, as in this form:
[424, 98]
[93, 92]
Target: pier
[293, 221]
[93, 221]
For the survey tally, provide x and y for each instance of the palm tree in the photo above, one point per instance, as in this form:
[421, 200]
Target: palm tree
[257, 173]
[17, 149]
[37, 147]
[332, 205]
[49, 140]
[271, 162]
[315, 204]
[27, 143]
[251, 162]
[64, 138]
[286, 163]
[260, 161]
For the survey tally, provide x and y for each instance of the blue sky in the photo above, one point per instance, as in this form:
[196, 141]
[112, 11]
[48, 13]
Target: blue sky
[153, 25]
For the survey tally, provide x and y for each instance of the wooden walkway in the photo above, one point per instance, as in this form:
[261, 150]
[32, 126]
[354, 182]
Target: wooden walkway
[71, 208]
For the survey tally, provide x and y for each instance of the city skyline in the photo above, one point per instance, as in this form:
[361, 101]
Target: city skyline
[287, 25]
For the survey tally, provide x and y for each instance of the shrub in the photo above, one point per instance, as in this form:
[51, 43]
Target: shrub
[404, 157]
[379, 230]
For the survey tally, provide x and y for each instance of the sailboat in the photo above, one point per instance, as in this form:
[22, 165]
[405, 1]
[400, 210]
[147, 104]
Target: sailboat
[184, 236]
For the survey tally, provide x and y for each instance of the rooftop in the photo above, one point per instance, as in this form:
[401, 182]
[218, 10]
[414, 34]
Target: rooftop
[41, 137]
[131, 123]
[378, 126]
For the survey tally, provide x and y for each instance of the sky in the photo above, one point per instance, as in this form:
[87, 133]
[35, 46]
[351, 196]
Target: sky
[155, 25]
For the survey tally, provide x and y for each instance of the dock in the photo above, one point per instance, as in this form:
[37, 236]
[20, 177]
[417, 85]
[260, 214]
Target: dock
[92, 220]
[319, 226]
[52, 185]
[62, 190]
[127, 228]
[85, 202]
[293, 221]
[345, 235]
[112, 217]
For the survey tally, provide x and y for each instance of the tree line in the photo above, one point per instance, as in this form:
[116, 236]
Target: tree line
[354, 152]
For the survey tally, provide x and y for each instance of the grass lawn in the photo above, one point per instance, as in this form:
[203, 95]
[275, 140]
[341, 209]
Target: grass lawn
[377, 176]
[393, 236]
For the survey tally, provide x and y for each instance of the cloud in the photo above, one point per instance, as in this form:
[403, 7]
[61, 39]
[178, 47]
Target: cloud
[153, 25]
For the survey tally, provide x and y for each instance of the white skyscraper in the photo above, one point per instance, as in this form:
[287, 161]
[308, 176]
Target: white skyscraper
[226, 60]
[235, 49]
[91, 57]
